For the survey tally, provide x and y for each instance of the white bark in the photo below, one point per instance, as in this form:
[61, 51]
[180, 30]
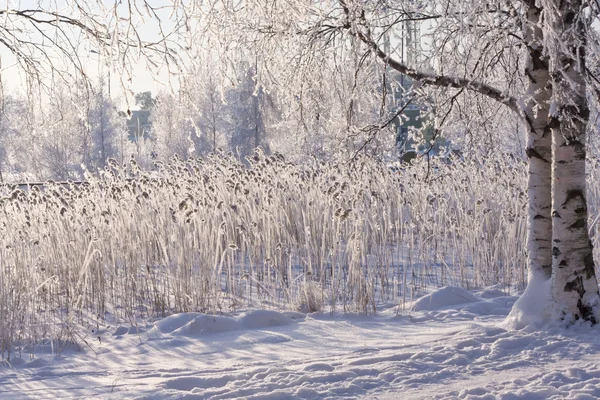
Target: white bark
[575, 288]
[574, 285]
[539, 152]
[533, 307]
[539, 236]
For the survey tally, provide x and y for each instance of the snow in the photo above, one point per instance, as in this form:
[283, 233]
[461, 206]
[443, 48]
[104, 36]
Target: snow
[533, 309]
[444, 297]
[451, 344]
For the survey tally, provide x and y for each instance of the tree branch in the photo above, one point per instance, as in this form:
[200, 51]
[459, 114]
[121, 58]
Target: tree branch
[423, 77]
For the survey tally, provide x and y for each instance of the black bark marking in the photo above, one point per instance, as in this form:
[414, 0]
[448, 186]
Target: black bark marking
[580, 223]
[581, 210]
[555, 214]
[532, 153]
[588, 265]
[578, 147]
[587, 312]
[563, 263]
[553, 122]
[574, 194]
[547, 130]
[571, 111]
[538, 216]
[580, 112]
[576, 285]
[556, 252]
[531, 79]
[557, 241]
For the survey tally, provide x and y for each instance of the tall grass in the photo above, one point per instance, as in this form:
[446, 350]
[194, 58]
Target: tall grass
[215, 235]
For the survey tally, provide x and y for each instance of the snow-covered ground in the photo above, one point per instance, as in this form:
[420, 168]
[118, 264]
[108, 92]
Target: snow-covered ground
[455, 345]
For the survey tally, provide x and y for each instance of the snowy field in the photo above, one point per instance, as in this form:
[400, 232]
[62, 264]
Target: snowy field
[454, 345]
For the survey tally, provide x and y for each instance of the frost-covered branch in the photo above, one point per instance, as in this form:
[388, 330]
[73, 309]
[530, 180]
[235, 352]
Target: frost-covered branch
[358, 27]
[53, 39]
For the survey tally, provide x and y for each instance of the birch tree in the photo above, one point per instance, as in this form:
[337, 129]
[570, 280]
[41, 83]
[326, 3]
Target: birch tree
[574, 285]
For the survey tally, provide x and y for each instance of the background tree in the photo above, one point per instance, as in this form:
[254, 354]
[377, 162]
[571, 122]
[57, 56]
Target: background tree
[108, 130]
[13, 123]
[175, 124]
[61, 140]
[145, 101]
[245, 104]
[205, 98]
[47, 40]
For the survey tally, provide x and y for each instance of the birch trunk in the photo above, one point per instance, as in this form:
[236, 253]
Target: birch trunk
[574, 284]
[539, 152]
[531, 308]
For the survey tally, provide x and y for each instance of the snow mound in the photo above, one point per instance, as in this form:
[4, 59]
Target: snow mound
[195, 324]
[261, 319]
[444, 297]
[207, 324]
[174, 322]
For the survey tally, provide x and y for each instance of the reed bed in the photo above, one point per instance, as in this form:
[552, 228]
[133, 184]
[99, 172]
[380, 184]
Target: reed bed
[215, 235]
